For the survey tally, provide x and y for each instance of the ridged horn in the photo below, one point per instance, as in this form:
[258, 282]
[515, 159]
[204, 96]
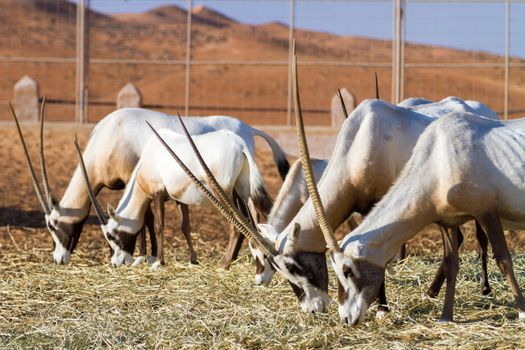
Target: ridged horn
[98, 209]
[343, 106]
[377, 86]
[248, 233]
[45, 181]
[329, 237]
[213, 181]
[36, 186]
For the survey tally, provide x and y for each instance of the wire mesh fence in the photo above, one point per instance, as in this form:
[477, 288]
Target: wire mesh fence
[233, 57]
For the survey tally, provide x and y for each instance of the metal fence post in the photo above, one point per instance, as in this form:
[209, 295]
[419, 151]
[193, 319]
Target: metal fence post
[398, 50]
[507, 61]
[290, 40]
[82, 62]
[188, 61]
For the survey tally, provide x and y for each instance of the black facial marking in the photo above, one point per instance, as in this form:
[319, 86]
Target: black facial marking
[68, 234]
[125, 241]
[312, 266]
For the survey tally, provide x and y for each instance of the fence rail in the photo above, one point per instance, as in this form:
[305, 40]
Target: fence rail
[397, 64]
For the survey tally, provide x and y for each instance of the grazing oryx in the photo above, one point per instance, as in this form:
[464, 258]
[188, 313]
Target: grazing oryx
[382, 116]
[156, 178]
[463, 167]
[113, 150]
[372, 147]
[291, 197]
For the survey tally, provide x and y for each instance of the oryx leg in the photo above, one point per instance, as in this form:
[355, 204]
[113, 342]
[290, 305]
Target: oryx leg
[236, 238]
[234, 246]
[142, 254]
[149, 222]
[483, 246]
[382, 308]
[185, 227]
[439, 278]
[451, 268]
[491, 223]
[142, 233]
[158, 207]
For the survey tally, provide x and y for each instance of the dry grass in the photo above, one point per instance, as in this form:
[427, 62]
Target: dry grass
[90, 305]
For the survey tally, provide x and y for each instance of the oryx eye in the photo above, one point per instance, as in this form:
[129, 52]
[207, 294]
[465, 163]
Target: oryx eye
[294, 269]
[51, 226]
[347, 272]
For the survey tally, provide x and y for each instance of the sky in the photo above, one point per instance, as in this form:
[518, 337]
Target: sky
[464, 25]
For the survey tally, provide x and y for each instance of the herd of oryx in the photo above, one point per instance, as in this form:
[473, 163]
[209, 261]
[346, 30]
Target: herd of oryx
[402, 167]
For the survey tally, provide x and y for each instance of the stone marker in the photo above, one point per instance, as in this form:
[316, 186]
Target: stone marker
[26, 94]
[129, 97]
[336, 112]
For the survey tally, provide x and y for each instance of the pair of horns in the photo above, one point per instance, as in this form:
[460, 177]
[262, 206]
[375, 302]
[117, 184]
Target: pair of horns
[343, 105]
[320, 213]
[224, 205]
[45, 195]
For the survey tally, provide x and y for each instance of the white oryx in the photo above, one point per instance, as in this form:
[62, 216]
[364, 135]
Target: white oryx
[374, 144]
[113, 150]
[463, 167]
[374, 178]
[156, 178]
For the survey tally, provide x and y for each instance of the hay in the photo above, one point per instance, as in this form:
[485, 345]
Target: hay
[90, 305]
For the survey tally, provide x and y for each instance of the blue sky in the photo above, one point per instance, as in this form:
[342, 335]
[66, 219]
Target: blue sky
[464, 25]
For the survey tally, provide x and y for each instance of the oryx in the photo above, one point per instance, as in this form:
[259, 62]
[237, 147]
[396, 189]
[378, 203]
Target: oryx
[463, 167]
[110, 156]
[156, 178]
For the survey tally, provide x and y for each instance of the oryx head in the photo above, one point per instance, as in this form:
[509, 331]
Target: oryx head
[64, 230]
[122, 243]
[264, 270]
[358, 283]
[297, 267]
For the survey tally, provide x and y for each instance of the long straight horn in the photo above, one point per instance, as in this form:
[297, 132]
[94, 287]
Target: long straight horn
[377, 87]
[250, 234]
[305, 162]
[38, 190]
[213, 181]
[45, 180]
[98, 209]
[343, 106]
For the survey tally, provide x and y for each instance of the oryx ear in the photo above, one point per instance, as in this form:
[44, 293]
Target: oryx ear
[357, 249]
[111, 213]
[293, 239]
[53, 200]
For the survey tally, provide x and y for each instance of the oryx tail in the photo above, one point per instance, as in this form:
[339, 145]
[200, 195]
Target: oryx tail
[261, 199]
[278, 154]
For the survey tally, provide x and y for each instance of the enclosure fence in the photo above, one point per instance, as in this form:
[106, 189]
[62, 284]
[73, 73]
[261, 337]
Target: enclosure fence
[187, 73]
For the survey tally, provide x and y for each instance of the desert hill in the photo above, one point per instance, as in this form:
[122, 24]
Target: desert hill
[38, 28]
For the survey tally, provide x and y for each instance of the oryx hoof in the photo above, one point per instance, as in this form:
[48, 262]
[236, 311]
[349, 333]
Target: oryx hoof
[152, 259]
[382, 311]
[431, 292]
[156, 265]
[194, 262]
[486, 291]
[444, 319]
[138, 260]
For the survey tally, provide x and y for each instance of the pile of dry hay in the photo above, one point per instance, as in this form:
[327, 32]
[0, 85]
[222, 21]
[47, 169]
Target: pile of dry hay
[90, 305]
